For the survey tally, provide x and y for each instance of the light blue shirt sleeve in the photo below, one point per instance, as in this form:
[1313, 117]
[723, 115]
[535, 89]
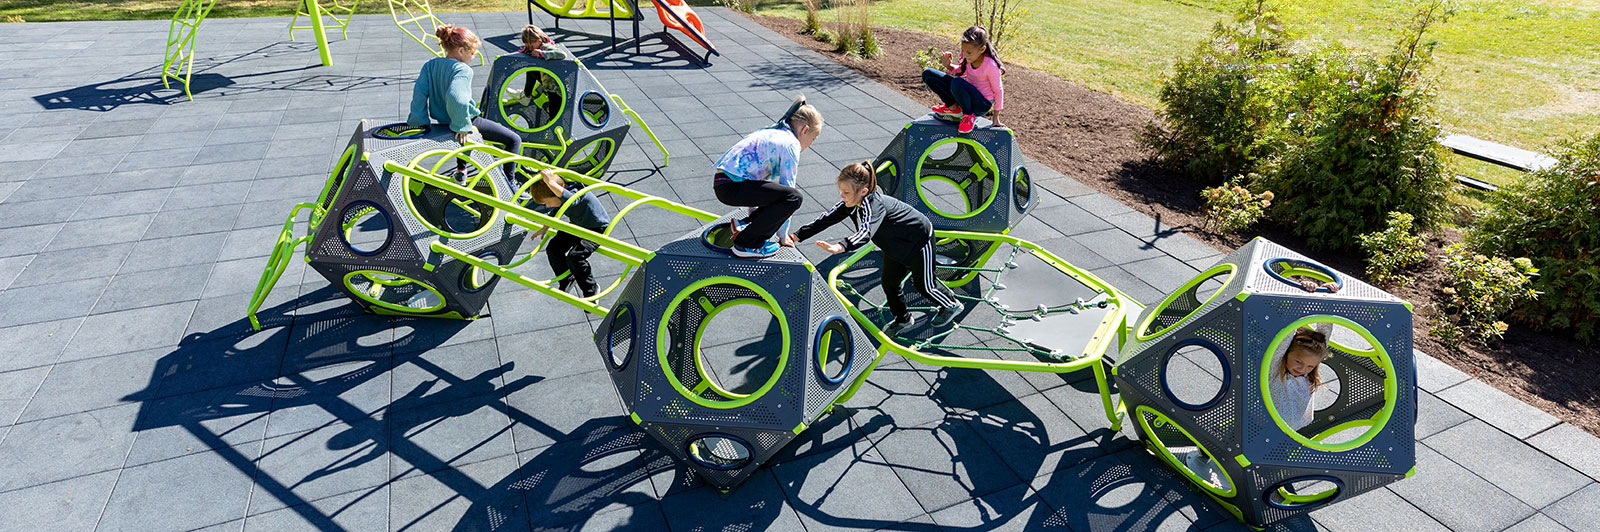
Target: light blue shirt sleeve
[419, 101]
[460, 104]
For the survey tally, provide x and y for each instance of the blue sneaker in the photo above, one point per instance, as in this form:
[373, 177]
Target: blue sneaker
[767, 249]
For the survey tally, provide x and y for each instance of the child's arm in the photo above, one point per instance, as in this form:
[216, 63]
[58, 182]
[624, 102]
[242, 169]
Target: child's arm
[419, 102]
[460, 98]
[552, 52]
[826, 220]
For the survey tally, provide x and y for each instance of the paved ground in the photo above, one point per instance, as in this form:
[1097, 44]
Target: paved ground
[133, 225]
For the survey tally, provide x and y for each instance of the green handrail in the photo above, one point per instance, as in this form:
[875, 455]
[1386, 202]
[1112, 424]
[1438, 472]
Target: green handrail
[279, 260]
[181, 37]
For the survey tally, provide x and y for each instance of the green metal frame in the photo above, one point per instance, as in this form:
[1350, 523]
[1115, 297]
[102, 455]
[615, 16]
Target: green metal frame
[1230, 269]
[500, 100]
[663, 345]
[282, 251]
[594, 155]
[308, 7]
[401, 280]
[1111, 332]
[1391, 384]
[412, 17]
[1160, 448]
[984, 158]
[178, 63]
[666, 158]
[619, 10]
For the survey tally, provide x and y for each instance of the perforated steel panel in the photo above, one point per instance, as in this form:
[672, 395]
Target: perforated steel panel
[903, 154]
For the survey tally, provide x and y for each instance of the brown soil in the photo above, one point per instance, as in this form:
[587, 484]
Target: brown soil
[1089, 136]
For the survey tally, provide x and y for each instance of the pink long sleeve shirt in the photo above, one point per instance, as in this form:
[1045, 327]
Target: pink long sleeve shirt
[986, 77]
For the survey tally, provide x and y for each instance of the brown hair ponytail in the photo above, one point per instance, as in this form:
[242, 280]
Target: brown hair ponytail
[860, 175]
[454, 37]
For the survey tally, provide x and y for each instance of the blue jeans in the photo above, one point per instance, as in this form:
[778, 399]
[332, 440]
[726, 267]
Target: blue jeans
[958, 91]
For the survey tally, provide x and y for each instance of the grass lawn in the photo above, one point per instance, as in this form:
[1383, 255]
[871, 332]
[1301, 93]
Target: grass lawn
[1520, 72]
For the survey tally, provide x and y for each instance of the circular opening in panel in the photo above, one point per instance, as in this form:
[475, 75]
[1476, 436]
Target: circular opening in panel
[1022, 189]
[1300, 493]
[719, 451]
[591, 159]
[393, 291]
[729, 364]
[1185, 301]
[399, 131]
[1195, 374]
[531, 99]
[957, 178]
[888, 176]
[449, 214]
[596, 110]
[365, 228]
[1177, 447]
[620, 339]
[1347, 433]
[835, 350]
[1293, 271]
[475, 279]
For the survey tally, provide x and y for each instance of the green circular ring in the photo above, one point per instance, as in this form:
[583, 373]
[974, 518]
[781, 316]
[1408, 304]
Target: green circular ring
[1138, 334]
[330, 192]
[1233, 487]
[1391, 383]
[499, 98]
[699, 332]
[984, 158]
[600, 163]
[662, 343]
[385, 304]
[412, 205]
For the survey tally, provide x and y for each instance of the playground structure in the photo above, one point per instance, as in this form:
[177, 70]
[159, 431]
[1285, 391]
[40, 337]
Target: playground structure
[563, 114]
[674, 14]
[1194, 376]
[973, 182]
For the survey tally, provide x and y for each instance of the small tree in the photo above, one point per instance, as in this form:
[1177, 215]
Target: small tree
[1232, 207]
[1393, 250]
[1003, 18]
[1478, 291]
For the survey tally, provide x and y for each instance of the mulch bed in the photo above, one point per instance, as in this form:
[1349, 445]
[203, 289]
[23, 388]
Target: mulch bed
[1090, 136]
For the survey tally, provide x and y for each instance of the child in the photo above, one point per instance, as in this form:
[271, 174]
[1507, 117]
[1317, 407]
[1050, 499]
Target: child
[568, 253]
[759, 172]
[974, 88]
[904, 235]
[1292, 382]
[443, 94]
[539, 45]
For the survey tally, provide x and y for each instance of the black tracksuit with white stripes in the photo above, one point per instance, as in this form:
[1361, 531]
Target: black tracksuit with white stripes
[904, 235]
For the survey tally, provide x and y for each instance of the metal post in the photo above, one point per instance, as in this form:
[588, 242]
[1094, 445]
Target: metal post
[316, 26]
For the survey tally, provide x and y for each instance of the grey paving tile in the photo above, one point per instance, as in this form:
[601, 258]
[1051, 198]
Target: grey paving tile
[1456, 497]
[180, 222]
[1117, 246]
[361, 511]
[34, 214]
[944, 463]
[554, 410]
[17, 389]
[53, 267]
[846, 488]
[1496, 408]
[899, 394]
[26, 240]
[1379, 506]
[354, 393]
[50, 302]
[450, 435]
[236, 276]
[1576, 511]
[40, 188]
[333, 459]
[209, 488]
[1105, 494]
[1012, 509]
[758, 504]
[64, 447]
[1538, 523]
[1032, 436]
[129, 330]
[1434, 375]
[151, 288]
[173, 252]
[1080, 401]
[461, 496]
[70, 505]
[206, 195]
[100, 232]
[1435, 415]
[1572, 446]
[1164, 273]
[11, 267]
[96, 383]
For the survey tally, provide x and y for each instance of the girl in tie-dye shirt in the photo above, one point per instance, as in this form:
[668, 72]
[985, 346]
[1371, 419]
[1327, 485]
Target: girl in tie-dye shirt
[759, 172]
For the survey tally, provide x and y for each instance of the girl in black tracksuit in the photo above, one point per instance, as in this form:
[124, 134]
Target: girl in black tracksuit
[904, 235]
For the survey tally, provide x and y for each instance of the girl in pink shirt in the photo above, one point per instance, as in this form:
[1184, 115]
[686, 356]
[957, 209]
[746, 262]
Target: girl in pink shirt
[973, 88]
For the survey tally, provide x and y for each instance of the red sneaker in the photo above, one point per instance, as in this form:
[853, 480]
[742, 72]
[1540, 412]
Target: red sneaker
[966, 124]
[947, 109]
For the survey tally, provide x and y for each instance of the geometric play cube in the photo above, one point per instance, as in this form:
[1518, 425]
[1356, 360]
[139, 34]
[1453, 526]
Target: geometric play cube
[724, 420]
[1194, 376]
[375, 239]
[963, 181]
[566, 107]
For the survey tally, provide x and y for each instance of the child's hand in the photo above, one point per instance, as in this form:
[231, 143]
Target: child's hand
[946, 59]
[461, 136]
[830, 247]
[547, 173]
[787, 241]
[536, 234]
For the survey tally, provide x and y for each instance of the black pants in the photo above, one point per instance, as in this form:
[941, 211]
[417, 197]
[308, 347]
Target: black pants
[570, 253]
[920, 266]
[495, 132]
[773, 204]
[956, 90]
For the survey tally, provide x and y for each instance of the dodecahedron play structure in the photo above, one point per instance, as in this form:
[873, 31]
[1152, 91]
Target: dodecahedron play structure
[375, 239]
[963, 181]
[563, 115]
[652, 344]
[1194, 375]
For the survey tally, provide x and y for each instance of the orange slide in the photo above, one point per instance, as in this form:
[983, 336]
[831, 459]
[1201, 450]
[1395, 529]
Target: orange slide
[677, 15]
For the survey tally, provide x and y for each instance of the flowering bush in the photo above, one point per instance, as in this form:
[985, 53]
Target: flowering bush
[1479, 291]
[1393, 250]
[1231, 207]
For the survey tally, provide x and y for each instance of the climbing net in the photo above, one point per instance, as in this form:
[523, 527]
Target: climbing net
[1003, 319]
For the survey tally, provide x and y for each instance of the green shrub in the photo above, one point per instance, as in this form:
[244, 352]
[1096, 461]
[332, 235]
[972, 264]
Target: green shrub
[813, 21]
[1360, 141]
[1478, 291]
[927, 58]
[1216, 112]
[1393, 250]
[1232, 207]
[1553, 217]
